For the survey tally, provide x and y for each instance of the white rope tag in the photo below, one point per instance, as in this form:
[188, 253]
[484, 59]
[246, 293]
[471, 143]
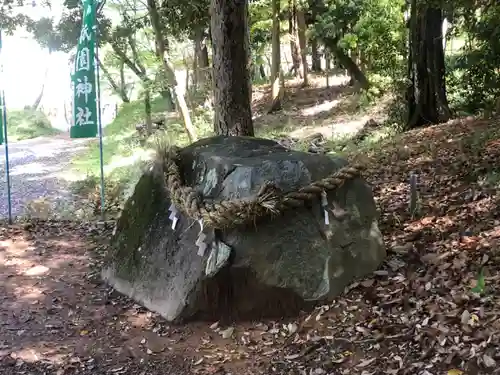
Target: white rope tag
[324, 204]
[200, 241]
[173, 215]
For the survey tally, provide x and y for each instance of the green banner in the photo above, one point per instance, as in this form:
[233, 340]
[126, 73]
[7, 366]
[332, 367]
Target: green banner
[85, 114]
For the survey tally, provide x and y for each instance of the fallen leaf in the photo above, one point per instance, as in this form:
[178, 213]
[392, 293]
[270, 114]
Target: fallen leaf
[227, 333]
[366, 362]
[488, 361]
[368, 283]
[198, 362]
[465, 317]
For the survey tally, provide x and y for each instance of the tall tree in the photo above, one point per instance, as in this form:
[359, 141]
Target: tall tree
[301, 33]
[427, 101]
[337, 19]
[119, 86]
[168, 68]
[294, 38]
[231, 75]
[314, 5]
[276, 74]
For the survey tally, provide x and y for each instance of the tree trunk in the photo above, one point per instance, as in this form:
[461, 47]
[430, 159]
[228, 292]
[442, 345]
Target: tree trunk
[294, 42]
[119, 89]
[276, 88]
[301, 32]
[327, 68]
[186, 68]
[200, 61]
[166, 94]
[169, 69]
[147, 111]
[315, 56]
[427, 101]
[262, 71]
[123, 84]
[38, 99]
[196, 57]
[344, 59]
[231, 75]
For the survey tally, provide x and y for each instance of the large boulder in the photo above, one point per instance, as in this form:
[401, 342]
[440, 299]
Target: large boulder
[273, 266]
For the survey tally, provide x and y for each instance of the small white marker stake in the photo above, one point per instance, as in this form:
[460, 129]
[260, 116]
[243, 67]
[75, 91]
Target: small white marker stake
[173, 215]
[200, 241]
[324, 204]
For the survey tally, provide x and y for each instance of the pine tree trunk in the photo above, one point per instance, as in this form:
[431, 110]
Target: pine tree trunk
[301, 33]
[118, 88]
[197, 53]
[147, 111]
[315, 56]
[427, 101]
[276, 88]
[262, 71]
[294, 38]
[169, 69]
[348, 64]
[200, 61]
[231, 60]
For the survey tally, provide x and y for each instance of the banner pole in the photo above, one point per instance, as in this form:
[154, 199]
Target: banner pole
[98, 83]
[6, 147]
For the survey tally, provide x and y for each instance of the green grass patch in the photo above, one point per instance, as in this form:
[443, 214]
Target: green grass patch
[28, 124]
[122, 141]
[125, 151]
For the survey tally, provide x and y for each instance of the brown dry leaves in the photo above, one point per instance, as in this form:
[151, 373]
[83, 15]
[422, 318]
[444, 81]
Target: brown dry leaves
[418, 314]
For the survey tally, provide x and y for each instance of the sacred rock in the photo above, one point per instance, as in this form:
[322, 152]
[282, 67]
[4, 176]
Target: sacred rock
[270, 267]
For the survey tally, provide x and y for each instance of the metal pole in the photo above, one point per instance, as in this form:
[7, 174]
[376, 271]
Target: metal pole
[4, 117]
[7, 172]
[98, 83]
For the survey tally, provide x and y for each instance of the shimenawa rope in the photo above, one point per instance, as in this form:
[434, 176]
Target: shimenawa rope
[269, 199]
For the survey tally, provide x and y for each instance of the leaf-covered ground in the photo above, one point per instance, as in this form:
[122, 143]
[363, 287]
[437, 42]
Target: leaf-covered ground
[432, 308]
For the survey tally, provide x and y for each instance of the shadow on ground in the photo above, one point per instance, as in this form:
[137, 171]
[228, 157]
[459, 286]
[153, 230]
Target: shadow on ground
[55, 320]
[334, 111]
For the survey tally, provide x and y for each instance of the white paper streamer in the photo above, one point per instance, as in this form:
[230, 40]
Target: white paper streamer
[173, 215]
[324, 204]
[200, 241]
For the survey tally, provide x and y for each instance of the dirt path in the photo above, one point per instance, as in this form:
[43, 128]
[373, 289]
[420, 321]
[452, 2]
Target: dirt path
[36, 166]
[55, 320]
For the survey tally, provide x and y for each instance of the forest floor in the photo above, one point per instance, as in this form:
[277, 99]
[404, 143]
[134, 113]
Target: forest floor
[431, 308]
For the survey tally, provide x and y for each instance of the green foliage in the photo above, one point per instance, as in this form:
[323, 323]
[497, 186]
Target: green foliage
[184, 18]
[480, 283]
[27, 124]
[9, 19]
[473, 77]
[375, 29]
[260, 25]
[379, 34]
[64, 35]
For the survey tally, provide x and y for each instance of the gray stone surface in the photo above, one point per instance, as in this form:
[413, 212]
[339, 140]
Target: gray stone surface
[275, 266]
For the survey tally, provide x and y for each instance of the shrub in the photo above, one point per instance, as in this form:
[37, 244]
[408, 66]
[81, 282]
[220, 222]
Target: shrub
[28, 123]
